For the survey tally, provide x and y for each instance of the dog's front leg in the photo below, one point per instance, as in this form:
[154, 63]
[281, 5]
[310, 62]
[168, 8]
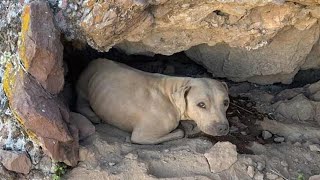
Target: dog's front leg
[83, 107]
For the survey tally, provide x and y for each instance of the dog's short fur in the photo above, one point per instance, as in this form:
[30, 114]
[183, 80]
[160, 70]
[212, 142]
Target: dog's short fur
[150, 105]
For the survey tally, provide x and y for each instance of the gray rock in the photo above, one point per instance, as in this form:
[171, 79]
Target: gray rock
[299, 108]
[250, 171]
[278, 139]
[315, 96]
[284, 163]
[313, 88]
[260, 166]
[262, 65]
[221, 156]
[271, 176]
[266, 134]
[258, 176]
[45, 164]
[314, 147]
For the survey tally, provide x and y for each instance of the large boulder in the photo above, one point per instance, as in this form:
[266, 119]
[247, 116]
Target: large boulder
[258, 41]
[167, 27]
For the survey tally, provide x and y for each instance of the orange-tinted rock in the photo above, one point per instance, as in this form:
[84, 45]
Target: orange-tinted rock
[15, 161]
[43, 115]
[33, 96]
[38, 110]
[67, 152]
[41, 50]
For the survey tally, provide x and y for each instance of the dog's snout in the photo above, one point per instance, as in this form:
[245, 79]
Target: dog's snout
[223, 129]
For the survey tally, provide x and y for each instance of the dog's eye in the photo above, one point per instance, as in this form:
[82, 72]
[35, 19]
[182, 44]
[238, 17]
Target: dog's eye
[201, 105]
[226, 102]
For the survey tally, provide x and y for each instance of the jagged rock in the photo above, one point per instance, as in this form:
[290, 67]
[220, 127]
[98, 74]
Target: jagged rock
[86, 128]
[40, 50]
[32, 90]
[250, 171]
[37, 110]
[166, 27]
[15, 161]
[67, 152]
[221, 156]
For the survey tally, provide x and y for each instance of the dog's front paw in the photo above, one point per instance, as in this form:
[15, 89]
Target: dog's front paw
[179, 133]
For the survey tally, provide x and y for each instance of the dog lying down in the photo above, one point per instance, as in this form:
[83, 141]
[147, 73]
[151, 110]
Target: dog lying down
[151, 105]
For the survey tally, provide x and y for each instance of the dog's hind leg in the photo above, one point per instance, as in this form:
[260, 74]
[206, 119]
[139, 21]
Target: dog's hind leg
[83, 107]
[139, 137]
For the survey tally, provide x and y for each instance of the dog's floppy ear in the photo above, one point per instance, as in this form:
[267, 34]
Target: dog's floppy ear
[225, 85]
[180, 100]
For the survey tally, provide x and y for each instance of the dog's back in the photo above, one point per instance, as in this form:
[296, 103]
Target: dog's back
[118, 94]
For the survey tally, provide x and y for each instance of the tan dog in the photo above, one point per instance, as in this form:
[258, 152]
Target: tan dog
[151, 105]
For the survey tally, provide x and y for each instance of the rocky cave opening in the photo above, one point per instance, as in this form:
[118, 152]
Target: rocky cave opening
[254, 46]
[242, 114]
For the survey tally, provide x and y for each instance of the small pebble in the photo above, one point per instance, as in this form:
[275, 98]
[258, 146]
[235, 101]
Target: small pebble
[166, 150]
[271, 176]
[260, 166]
[283, 163]
[298, 144]
[234, 129]
[307, 144]
[131, 156]
[128, 139]
[314, 147]
[250, 171]
[243, 133]
[112, 163]
[266, 134]
[258, 176]
[278, 139]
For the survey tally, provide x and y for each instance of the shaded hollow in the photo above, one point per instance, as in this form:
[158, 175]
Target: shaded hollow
[241, 114]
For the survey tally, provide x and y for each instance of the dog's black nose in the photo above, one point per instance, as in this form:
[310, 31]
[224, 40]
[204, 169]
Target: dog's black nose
[223, 129]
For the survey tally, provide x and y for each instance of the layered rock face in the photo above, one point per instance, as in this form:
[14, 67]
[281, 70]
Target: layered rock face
[32, 89]
[258, 41]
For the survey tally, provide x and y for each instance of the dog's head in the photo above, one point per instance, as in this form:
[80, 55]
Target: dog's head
[205, 101]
